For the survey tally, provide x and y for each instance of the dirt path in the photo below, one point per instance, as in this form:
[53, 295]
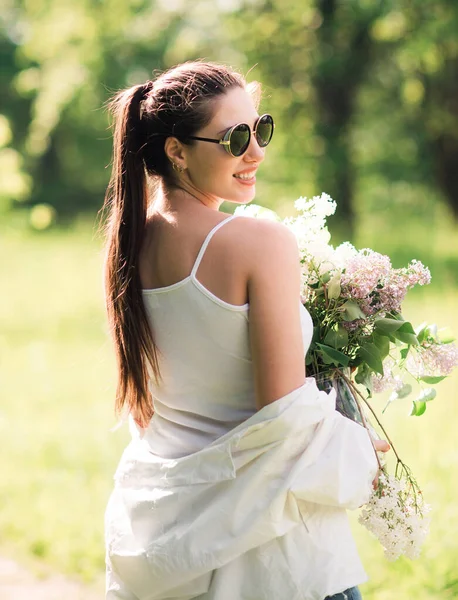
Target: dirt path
[17, 583]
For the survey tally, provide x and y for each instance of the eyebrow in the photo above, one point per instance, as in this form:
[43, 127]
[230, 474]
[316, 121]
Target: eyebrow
[230, 126]
[224, 130]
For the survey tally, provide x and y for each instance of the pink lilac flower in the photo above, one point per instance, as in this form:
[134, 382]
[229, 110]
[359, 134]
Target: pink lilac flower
[363, 273]
[363, 325]
[379, 288]
[418, 273]
[433, 360]
[394, 288]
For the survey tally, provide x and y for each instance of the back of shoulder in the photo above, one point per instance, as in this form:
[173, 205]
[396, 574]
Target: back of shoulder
[266, 245]
[273, 282]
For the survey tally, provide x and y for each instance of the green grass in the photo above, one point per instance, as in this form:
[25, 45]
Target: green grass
[428, 445]
[57, 382]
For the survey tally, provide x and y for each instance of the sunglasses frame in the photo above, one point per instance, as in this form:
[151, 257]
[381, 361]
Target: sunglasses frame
[225, 141]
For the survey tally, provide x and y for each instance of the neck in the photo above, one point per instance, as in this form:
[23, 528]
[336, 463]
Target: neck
[182, 198]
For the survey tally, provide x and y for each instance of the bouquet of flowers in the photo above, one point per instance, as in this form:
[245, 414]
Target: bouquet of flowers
[362, 345]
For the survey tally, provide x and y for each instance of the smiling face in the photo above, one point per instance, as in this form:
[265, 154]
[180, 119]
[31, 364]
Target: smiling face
[210, 169]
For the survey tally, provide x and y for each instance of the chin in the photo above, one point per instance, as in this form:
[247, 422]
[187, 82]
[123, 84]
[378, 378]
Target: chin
[242, 197]
[246, 199]
[239, 201]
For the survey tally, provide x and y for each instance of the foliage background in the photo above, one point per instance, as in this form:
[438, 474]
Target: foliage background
[365, 97]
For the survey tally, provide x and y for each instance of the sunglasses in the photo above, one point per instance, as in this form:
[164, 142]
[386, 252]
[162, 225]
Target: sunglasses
[237, 139]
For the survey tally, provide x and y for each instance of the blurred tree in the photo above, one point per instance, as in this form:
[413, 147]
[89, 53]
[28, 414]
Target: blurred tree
[68, 59]
[363, 92]
[15, 184]
[426, 61]
[316, 55]
[345, 54]
[406, 126]
[64, 62]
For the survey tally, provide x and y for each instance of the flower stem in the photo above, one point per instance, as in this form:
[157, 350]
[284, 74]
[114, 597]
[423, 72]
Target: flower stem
[401, 467]
[357, 393]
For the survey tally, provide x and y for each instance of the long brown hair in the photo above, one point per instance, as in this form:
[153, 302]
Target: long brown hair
[177, 103]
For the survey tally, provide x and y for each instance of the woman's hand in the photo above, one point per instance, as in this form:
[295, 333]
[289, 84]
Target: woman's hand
[380, 446]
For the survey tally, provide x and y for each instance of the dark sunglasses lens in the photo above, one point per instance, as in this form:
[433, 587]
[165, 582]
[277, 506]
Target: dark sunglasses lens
[264, 130]
[240, 139]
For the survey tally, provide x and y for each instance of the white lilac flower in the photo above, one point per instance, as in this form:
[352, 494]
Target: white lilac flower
[321, 252]
[256, 211]
[389, 381]
[319, 206]
[397, 516]
[343, 253]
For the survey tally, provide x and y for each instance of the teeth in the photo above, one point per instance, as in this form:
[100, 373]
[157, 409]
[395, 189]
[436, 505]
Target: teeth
[245, 176]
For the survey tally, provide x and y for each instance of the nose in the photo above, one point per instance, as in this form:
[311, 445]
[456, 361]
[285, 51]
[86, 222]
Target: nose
[254, 152]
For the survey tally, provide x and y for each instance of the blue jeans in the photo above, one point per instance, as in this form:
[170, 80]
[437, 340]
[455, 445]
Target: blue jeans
[350, 594]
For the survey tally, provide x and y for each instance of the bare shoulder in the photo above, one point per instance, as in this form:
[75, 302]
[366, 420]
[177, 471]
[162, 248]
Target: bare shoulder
[271, 257]
[264, 242]
[262, 227]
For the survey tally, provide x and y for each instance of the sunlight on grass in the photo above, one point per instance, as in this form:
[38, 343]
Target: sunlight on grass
[57, 383]
[428, 445]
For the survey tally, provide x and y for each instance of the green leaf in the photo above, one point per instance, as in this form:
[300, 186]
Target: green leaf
[432, 380]
[383, 344]
[316, 334]
[334, 287]
[404, 352]
[401, 393]
[351, 311]
[431, 331]
[337, 338]
[371, 355]
[387, 326]
[364, 377]
[406, 334]
[397, 316]
[421, 332]
[325, 277]
[333, 355]
[427, 395]
[418, 408]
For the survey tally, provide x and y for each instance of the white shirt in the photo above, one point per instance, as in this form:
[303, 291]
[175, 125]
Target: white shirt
[217, 501]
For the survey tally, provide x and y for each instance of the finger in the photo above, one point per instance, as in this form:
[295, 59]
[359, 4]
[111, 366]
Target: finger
[381, 445]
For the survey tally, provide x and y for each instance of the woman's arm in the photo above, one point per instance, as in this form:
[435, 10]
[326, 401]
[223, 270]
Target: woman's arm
[274, 296]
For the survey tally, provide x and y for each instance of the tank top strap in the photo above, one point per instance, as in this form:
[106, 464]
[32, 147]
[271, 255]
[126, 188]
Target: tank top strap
[207, 241]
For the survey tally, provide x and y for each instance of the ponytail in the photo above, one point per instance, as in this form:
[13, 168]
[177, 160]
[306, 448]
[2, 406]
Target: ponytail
[178, 103]
[126, 201]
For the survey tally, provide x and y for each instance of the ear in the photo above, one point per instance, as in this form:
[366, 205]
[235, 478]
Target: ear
[175, 152]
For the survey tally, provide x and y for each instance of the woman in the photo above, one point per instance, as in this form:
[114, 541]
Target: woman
[236, 487]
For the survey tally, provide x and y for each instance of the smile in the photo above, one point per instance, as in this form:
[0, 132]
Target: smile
[245, 176]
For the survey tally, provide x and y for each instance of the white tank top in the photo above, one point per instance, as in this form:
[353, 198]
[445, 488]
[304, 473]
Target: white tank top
[207, 385]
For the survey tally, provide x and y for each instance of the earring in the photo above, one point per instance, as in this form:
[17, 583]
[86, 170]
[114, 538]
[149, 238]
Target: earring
[177, 168]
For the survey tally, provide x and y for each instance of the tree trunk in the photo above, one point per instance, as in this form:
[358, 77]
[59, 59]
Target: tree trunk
[446, 158]
[337, 83]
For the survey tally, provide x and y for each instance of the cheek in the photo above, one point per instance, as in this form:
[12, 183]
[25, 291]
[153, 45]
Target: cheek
[213, 172]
